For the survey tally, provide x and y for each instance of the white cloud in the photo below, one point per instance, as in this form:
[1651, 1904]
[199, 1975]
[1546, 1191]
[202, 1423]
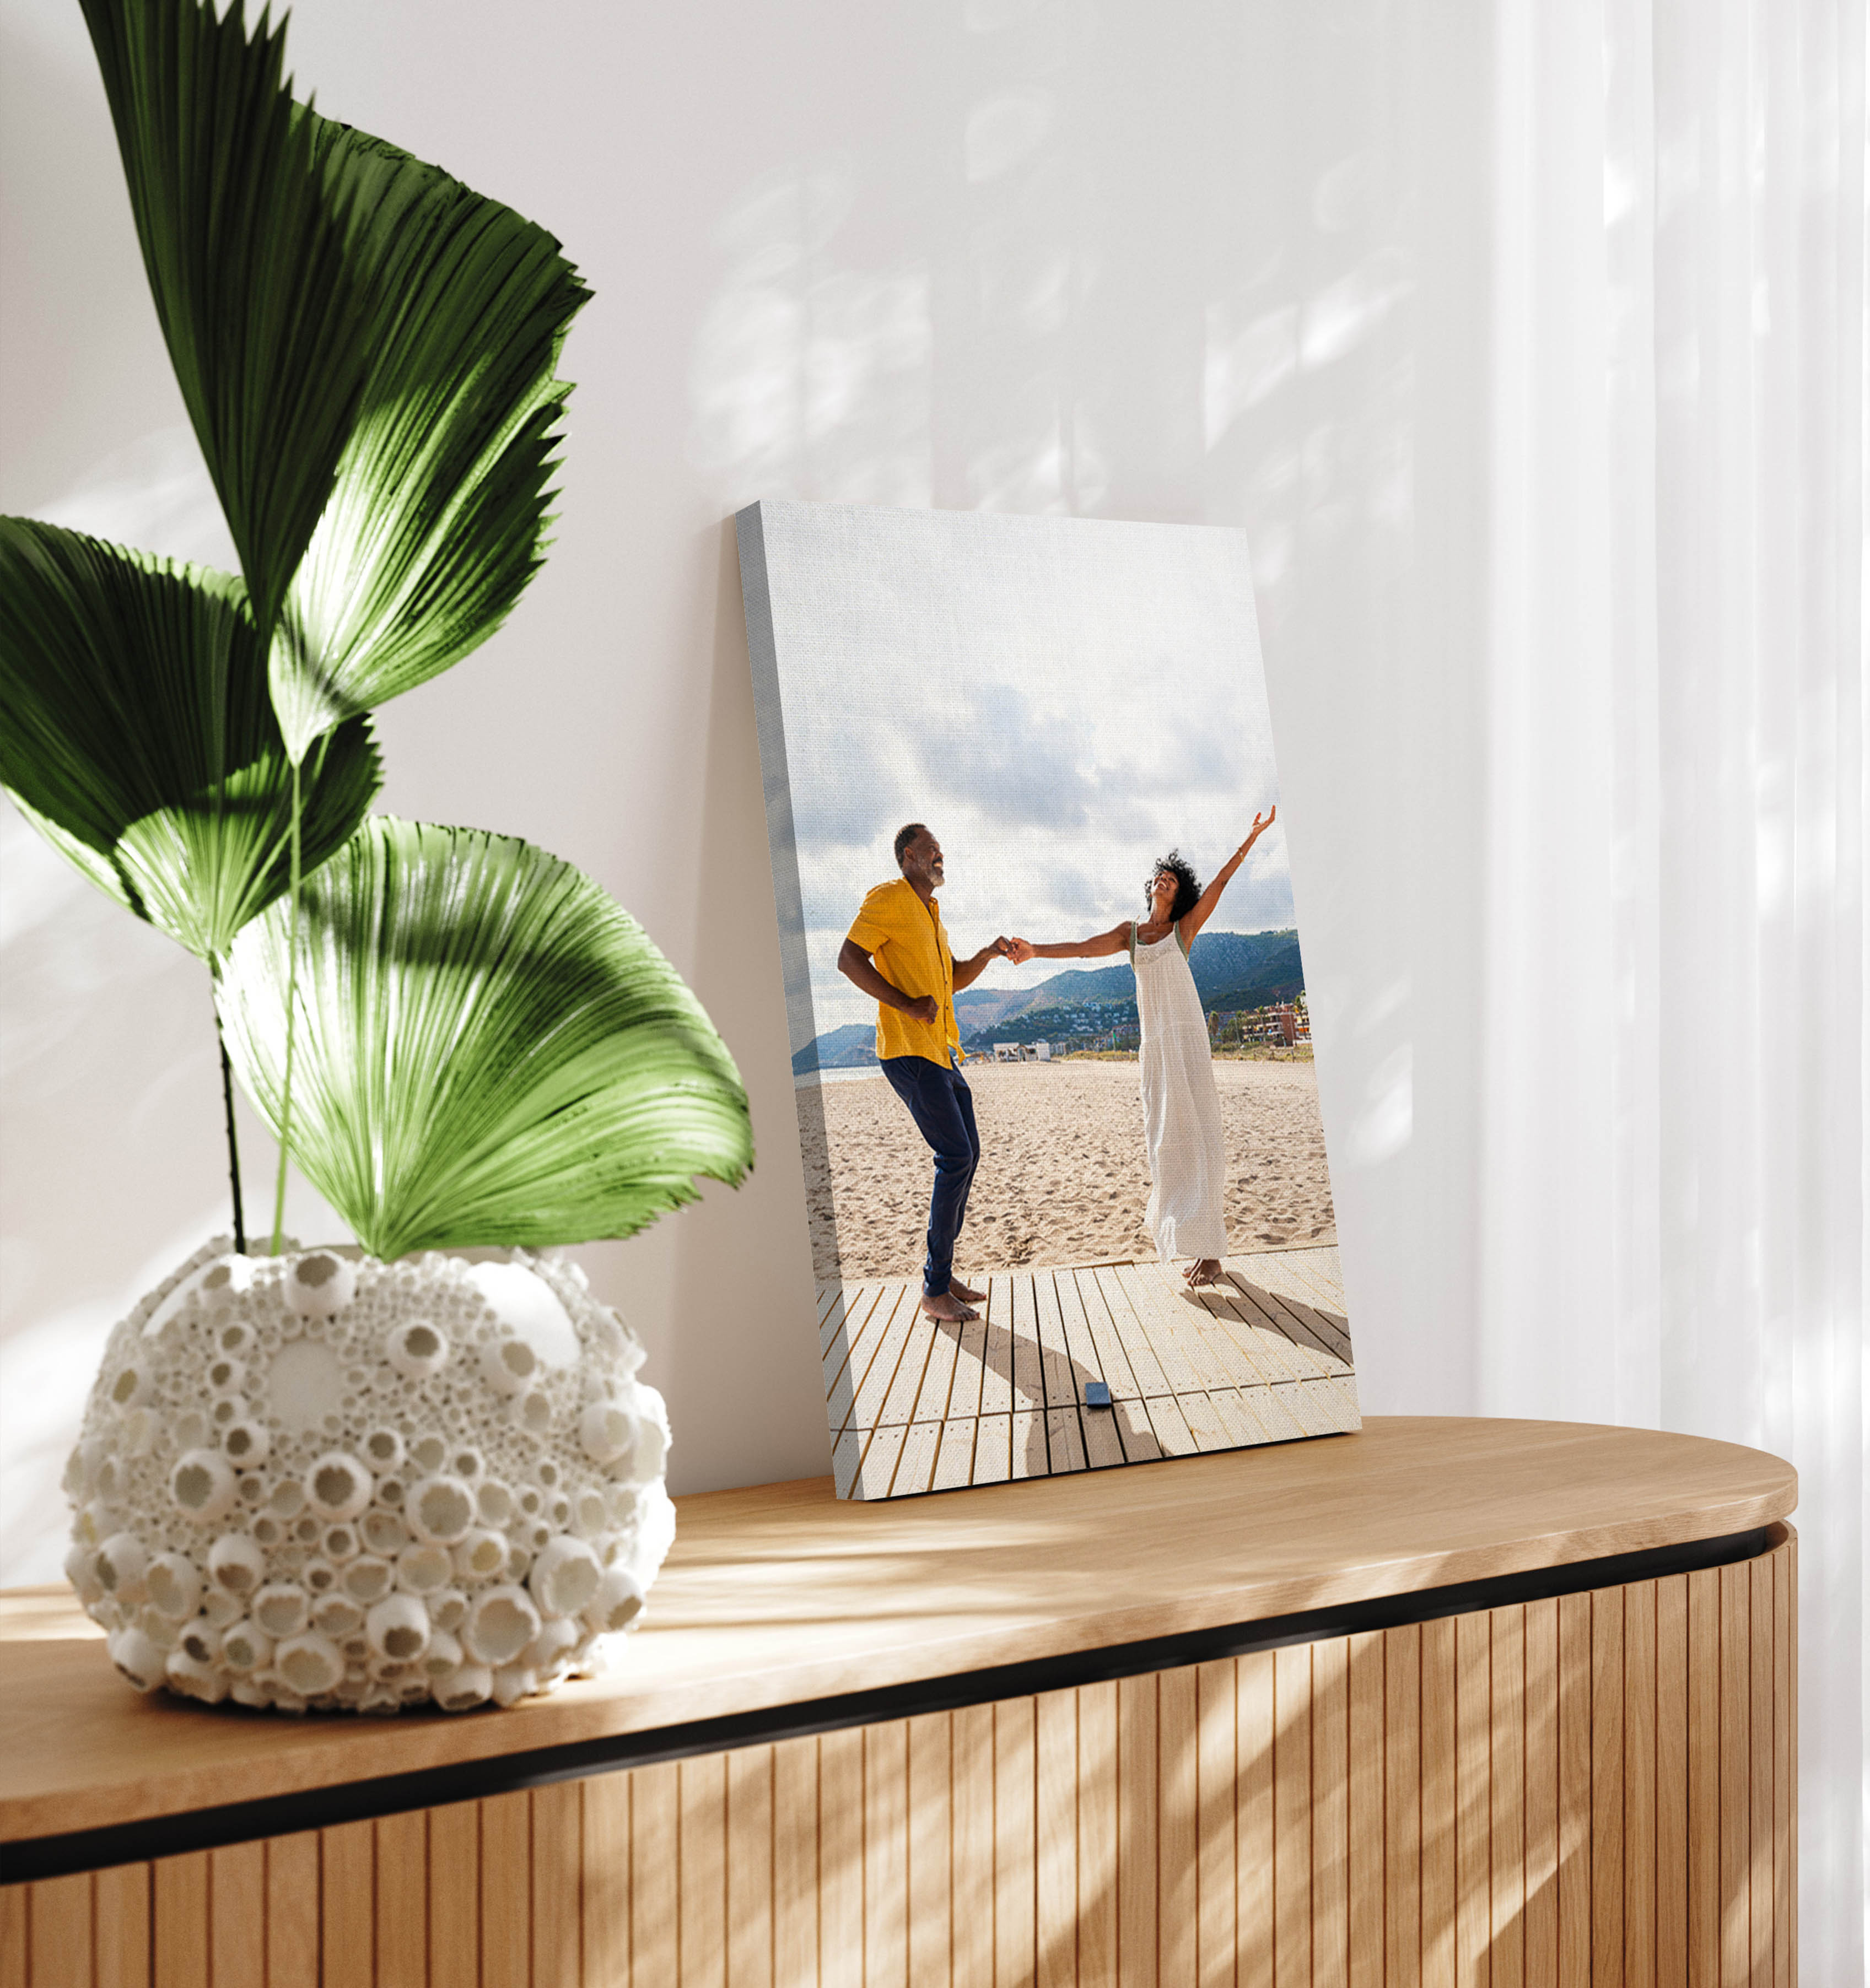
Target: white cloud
[1061, 700]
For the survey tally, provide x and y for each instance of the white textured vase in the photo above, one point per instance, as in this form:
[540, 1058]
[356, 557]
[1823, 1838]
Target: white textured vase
[319, 1481]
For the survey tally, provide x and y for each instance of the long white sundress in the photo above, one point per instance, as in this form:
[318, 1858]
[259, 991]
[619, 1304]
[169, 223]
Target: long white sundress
[1181, 1109]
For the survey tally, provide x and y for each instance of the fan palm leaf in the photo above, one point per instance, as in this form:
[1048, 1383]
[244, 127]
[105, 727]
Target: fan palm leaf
[138, 733]
[246, 252]
[368, 350]
[490, 1048]
[438, 509]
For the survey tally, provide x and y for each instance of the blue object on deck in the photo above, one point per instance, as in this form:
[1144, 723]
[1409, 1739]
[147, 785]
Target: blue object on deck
[1097, 1394]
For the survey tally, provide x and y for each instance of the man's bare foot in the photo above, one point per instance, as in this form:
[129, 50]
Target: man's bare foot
[966, 1296]
[947, 1307]
[1208, 1271]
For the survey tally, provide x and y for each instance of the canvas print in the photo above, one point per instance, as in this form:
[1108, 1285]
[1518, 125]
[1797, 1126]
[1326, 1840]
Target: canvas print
[1065, 1174]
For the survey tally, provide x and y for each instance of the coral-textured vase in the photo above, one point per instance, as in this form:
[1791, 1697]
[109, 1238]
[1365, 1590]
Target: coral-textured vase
[317, 1482]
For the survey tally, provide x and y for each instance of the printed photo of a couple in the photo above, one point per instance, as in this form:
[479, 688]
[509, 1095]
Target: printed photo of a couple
[1066, 1188]
[898, 953]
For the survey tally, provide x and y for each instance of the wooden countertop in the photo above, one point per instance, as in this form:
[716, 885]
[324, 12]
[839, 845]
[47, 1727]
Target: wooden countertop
[780, 1594]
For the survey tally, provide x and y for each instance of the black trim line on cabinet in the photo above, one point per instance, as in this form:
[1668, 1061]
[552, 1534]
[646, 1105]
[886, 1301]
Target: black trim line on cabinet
[466, 1780]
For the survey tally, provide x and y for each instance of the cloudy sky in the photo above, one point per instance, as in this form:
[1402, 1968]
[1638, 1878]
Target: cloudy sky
[1061, 700]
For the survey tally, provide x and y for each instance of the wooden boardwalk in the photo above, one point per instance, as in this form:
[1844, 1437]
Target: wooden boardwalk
[917, 1406]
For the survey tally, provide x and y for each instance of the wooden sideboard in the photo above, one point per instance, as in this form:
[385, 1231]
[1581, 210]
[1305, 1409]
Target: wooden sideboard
[1446, 1701]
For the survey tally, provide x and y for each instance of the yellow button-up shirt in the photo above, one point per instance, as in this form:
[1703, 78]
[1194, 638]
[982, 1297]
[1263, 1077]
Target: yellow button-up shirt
[909, 946]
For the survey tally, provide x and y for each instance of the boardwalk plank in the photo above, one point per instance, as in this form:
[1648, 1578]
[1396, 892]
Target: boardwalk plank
[915, 1471]
[1029, 1453]
[1321, 1269]
[1217, 1328]
[1204, 1422]
[997, 1355]
[954, 1458]
[1056, 1375]
[840, 1338]
[1111, 1357]
[938, 1375]
[840, 1303]
[838, 1330]
[1134, 1431]
[1103, 1445]
[1300, 1345]
[1312, 1329]
[846, 1455]
[1087, 1361]
[905, 1388]
[1028, 1373]
[1316, 1410]
[841, 1397]
[1208, 1349]
[876, 1472]
[1129, 1333]
[1309, 1276]
[1280, 1357]
[1065, 1440]
[1241, 1429]
[1335, 1402]
[1133, 1330]
[993, 1448]
[873, 1389]
[1171, 1426]
[835, 1304]
[1304, 1325]
[1273, 1406]
[1239, 1410]
[1182, 1329]
[970, 1370]
[1144, 1294]
[1264, 1349]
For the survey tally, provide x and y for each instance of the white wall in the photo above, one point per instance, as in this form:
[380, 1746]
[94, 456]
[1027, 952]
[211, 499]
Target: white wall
[1202, 260]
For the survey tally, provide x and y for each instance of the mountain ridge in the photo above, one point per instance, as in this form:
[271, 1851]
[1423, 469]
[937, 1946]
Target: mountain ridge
[1232, 971]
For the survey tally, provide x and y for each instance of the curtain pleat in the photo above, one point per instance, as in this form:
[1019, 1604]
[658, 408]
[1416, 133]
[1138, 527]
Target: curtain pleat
[1673, 1182]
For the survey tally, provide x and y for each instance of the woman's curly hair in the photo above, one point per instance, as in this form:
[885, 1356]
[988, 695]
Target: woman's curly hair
[1187, 890]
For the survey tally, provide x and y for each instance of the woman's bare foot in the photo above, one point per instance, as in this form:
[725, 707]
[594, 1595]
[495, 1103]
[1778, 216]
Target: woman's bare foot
[1208, 1271]
[947, 1307]
[966, 1296]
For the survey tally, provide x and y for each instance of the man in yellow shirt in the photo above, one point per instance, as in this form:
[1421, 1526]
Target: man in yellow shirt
[897, 952]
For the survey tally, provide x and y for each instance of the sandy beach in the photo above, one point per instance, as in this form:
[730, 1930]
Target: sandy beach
[1063, 1176]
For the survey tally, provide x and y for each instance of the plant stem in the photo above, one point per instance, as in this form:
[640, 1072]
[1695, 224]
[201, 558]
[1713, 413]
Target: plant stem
[233, 1144]
[292, 1017]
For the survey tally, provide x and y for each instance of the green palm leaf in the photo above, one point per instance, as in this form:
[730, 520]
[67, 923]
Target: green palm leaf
[435, 520]
[246, 252]
[136, 732]
[489, 1048]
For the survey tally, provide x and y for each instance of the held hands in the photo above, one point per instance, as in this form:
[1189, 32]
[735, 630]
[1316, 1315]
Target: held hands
[1017, 950]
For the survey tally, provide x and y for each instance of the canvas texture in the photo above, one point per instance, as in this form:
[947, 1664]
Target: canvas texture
[1097, 1171]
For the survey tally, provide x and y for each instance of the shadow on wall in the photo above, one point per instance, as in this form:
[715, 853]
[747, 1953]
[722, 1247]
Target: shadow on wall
[112, 1086]
[1024, 296]
[798, 360]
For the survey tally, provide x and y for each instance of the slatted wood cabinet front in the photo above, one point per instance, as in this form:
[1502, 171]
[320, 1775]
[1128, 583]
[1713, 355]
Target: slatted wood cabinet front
[1595, 1789]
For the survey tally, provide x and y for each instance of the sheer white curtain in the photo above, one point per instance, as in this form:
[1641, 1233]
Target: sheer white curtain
[1674, 1180]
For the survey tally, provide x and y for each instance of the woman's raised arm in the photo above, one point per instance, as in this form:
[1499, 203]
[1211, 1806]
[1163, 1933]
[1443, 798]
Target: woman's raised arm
[1192, 922]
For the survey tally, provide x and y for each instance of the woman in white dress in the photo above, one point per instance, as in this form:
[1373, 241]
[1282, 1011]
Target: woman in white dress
[1181, 1109]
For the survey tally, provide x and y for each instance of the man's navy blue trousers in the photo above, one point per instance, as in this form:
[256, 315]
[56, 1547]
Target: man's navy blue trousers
[942, 1106]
